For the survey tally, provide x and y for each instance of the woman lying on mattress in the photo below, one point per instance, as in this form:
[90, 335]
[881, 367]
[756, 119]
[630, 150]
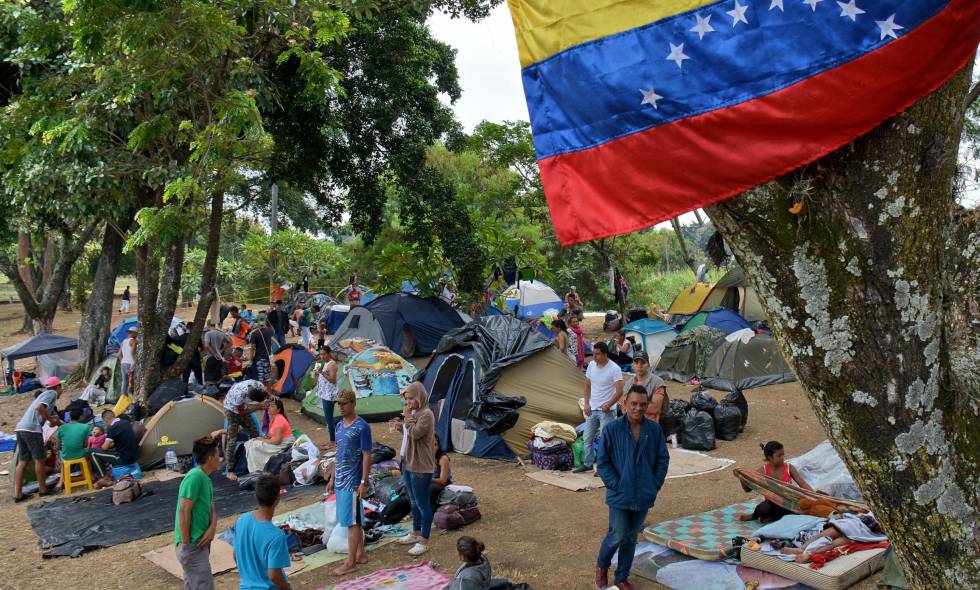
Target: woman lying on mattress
[852, 528]
[776, 468]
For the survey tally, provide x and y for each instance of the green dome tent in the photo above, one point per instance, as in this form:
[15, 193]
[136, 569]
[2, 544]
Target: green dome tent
[687, 355]
[746, 363]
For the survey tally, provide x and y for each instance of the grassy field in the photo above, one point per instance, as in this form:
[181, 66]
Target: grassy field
[8, 293]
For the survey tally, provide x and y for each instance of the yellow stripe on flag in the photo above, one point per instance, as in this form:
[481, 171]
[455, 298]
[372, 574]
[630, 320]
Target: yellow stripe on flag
[547, 27]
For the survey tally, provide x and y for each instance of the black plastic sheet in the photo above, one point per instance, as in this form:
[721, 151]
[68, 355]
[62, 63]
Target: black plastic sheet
[73, 525]
[494, 414]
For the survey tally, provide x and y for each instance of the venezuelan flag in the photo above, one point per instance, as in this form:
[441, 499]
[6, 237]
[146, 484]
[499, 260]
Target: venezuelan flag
[644, 109]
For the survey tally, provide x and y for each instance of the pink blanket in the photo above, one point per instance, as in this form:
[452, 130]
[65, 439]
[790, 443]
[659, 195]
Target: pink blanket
[419, 576]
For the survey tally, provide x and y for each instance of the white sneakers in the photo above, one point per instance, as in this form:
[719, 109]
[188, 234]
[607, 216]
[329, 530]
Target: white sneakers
[417, 547]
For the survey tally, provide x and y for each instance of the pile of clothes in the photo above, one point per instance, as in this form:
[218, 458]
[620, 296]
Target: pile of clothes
[550, 446]
[704, 419]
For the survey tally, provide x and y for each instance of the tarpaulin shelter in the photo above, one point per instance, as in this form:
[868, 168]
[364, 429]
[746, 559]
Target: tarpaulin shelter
[177, 425]
[722, 319]
[377, 376]
[532, 299]
[408, 324]
[292, 363]
[734, 292]
[746, 363]
[687, 355]
[48, 349]
[502, 355]
[652, 336]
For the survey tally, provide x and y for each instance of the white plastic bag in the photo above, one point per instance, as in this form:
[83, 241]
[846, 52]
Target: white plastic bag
[307, 472]
[330, 515]
[303, 449]
[337, 542]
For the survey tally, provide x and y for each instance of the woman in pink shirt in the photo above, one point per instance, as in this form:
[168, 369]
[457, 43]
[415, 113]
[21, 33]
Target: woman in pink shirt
[279, 437]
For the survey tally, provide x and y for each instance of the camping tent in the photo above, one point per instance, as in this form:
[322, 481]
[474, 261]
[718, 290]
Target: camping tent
[177, 425]
[121, 331]
[690, 299]
[367, 295]
[292, 362]
[754, 361]
[504, 355]
[408, 324]
[687, 355]
[336, 316]
[722, 319]
[734, 292]
[652, 336]
[56, 355]
[114, 387]
[377, 376]
[532, 299]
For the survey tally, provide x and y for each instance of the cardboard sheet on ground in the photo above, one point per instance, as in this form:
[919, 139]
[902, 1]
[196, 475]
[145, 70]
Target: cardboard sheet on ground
[682, 464]
[222, 558]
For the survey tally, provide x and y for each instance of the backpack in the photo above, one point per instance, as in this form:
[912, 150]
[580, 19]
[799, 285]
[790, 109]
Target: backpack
[450, 517]
[126, 490]
[458, 495]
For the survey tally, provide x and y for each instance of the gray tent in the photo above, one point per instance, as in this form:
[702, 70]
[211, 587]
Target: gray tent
[746, 364]
[687, 355]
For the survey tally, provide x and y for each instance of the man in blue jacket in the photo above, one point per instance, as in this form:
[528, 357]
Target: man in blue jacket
[632, 463]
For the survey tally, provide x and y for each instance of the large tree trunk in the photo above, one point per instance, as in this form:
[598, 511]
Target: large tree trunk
[159, 286]
[208, 276]
[872, 293]
[97, 318]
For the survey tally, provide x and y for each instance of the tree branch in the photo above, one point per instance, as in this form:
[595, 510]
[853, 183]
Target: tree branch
[680, 239]
[971, 96]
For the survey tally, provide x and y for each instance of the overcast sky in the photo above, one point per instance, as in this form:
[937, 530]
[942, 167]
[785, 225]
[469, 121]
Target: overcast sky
[490, 74]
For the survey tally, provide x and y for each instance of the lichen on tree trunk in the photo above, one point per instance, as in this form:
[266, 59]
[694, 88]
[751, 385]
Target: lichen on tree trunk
[872, 294]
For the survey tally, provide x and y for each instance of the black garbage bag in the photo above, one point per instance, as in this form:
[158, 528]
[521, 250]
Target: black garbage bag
[380, 452]
[703, 401]
[389, 489]
[494, 413]
[672, 422]
[276, 462]
[728, 421]
[165, 393]
[737, 399]
[699, 431]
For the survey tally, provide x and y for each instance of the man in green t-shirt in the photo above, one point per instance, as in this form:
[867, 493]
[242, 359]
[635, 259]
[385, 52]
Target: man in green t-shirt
[72, 436]
[196, 518]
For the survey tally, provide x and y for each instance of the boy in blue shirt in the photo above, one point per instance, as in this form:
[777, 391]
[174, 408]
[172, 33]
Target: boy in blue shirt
[260, 546]
[353, 464]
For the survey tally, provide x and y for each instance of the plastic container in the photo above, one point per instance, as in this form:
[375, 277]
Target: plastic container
[170, 460]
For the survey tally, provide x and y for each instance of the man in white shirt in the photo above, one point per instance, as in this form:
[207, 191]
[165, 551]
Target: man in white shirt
[127, 359]
[603, 390]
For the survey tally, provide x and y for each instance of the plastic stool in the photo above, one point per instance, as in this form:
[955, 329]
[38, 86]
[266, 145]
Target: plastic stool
[70, 483]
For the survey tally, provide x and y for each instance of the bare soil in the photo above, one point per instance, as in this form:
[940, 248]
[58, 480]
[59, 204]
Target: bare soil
[535, 533]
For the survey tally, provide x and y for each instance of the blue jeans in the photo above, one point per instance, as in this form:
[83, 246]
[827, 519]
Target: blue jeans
[328, 416]
[417, 485]
[624, 526]
[281, 338]
[593, 428]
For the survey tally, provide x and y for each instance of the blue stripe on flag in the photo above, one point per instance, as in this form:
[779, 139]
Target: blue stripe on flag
[591, 94]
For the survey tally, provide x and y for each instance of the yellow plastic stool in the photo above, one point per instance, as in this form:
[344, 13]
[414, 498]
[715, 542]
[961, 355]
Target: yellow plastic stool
[70, 483]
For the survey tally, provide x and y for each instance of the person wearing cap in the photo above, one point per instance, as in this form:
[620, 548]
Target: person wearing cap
[655, 387]
[30, 440]
[127, 359]
[351, 470]
[279, 322]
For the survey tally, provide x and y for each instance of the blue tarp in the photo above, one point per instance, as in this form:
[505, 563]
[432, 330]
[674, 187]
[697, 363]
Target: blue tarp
[726, 320]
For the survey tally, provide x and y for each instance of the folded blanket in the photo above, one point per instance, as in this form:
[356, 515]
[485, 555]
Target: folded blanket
[854, 528]
[790, 526]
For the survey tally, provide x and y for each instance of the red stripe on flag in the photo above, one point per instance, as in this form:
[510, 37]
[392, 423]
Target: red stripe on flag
[642, 179]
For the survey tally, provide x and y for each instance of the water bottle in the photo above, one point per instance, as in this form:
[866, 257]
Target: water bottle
[171, 460]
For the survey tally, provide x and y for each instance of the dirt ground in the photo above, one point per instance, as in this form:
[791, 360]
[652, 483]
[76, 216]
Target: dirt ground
[534, 533]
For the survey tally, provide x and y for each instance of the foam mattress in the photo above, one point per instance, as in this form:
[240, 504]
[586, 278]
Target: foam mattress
[843, 572]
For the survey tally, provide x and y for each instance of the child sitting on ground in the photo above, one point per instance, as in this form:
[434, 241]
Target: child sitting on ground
[474, 572]
[776, 468]
[96, 439]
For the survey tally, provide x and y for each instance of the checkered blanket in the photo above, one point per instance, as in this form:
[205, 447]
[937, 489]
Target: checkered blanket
[705, 536]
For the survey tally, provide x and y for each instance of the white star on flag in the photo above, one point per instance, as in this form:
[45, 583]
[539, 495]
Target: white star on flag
[650, 97]
[888, 27]
[677, 54]
[813, 3]
[850, 9]
[703, 27]
[738, 14]
[777, 4]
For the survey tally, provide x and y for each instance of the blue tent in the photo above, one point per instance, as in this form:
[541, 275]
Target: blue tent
[407, 324]
[651, 335]
[723, 319]
[293, 362]
[118, 334]
[336, 317]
